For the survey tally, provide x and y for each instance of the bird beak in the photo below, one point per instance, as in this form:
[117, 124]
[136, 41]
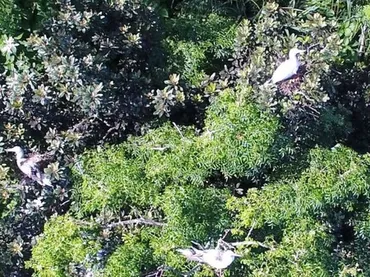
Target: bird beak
[9, 150]
[237, 255]
[301, 51]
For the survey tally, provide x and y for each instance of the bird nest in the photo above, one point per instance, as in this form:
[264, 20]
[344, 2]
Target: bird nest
[287, 87]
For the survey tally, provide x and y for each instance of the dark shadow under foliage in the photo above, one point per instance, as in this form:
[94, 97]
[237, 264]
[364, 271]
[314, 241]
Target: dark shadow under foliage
[352, 92]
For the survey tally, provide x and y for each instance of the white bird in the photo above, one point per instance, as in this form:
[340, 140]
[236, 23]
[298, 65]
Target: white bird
[31, 165]
[287, 68]
[192, 254]
[216, 258]
[219, 259]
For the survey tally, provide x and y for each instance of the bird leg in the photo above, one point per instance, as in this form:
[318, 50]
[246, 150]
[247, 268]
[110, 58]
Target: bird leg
[219, 273]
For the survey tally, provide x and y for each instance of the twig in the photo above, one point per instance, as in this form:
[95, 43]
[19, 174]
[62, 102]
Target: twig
[141, 221]
[110, 130]
[362, 39]
[188, 273]
[312, 46]
[161, 269]
[225, 234]
[197, 244]
[304, 95]
[65, 202]
[178, 129]
[250, 243]
[78, 125]
[251, 229]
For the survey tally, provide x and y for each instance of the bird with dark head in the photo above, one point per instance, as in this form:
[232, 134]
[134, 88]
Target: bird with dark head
[32, 165]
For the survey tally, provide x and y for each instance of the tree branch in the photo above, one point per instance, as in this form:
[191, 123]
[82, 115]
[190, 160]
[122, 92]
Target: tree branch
[250, 243]
[137, 221]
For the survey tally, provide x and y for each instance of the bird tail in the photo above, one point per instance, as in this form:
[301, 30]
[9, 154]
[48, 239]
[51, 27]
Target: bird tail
[268, 82]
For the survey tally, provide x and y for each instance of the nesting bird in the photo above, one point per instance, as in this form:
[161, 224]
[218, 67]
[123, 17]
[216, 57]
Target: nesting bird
[32, 165]
[288, 68]
[216, 258]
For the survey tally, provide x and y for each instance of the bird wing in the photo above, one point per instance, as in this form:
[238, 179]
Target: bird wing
[192, 254]
[40, 160]
[25, 167]
[284, 71]
[30, 169]
[34, 173]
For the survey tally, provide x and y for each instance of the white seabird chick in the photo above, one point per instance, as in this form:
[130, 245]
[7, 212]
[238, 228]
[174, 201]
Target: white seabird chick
[287, 68]
[216, 258]
[31, 166]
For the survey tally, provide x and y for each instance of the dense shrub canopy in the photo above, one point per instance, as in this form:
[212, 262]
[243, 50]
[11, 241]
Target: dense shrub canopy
[140, 168]
[316, 219]
[166, 175]
[85, 75]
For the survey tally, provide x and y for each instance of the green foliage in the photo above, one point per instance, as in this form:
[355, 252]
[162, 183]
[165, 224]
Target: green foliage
[187, 220]
[198, 44]
[173, 175]
[84, 79]
[307, 218]
[280, 31]
[76, 79]
[73, 83]
[352, 23]
[62, 244]
[239, 141]
[17, 16]
[239, 138]
[112, 180]
[130, 259]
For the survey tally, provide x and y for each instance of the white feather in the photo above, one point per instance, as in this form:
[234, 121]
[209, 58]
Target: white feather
[287, 68]
[216, 258]
[29, 166]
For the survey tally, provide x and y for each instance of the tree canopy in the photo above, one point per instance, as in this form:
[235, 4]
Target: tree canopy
[163, 132]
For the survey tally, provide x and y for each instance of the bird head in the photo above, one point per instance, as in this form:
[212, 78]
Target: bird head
[294, 51]
[16, 149]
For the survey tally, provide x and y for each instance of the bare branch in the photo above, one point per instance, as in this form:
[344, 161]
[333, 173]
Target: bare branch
[250, 243]
[225, 234]
[137, 221]
[110, 130]
[362, 39]
[251, 229]
[161, 269]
